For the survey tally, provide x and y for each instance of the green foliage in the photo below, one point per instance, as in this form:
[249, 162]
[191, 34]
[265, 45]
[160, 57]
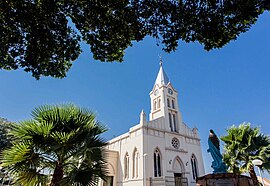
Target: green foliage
[4, 137]
[5, 142]
[244, 144]
[64, 138]
[43, 36]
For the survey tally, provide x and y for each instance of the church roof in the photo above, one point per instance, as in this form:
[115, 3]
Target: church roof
[162, 78]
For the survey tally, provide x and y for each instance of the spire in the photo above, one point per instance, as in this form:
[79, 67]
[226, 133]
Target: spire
[162, 78]
[142, 118]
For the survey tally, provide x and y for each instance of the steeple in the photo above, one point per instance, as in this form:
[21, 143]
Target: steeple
[162, 78]
[164, 102]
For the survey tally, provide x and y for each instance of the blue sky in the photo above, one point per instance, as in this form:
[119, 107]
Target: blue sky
[216, 89]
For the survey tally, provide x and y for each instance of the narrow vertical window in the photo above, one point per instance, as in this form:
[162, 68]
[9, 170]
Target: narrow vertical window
[174, 123]
[135, 163]
[173, 104]
[170, 121]
[126, 166]
[157, 164]
[194, 167]
[168, 102]
[159, 102]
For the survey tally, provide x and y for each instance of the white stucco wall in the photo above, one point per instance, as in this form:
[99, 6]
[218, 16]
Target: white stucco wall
[146, 139]
[157, 133]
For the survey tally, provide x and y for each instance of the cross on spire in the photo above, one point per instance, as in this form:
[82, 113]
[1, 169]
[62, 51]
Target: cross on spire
[160, 60]
[162, 78]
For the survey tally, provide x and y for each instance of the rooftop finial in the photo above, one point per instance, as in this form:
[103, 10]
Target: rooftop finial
[160, 60]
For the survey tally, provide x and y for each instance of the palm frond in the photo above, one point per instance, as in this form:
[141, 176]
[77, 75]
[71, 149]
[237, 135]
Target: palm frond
[244, 144]
[32, 177]
[62, 135]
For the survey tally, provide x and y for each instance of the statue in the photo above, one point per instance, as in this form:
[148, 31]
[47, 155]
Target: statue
[214, 149]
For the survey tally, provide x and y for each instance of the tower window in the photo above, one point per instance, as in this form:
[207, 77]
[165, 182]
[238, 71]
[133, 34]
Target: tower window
[170, 121]
[174, 123]
[168, 102]
[157, 163]
[173, 104]
[155, 105]
[159, 101]
[194, 166]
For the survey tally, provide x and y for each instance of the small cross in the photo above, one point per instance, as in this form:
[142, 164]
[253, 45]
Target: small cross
[160, 60]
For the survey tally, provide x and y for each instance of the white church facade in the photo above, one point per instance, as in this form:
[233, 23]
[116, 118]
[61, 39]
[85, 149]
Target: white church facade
[161, 151]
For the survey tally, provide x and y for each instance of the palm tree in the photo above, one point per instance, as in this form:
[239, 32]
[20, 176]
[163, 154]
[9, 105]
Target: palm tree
[63, 140]
[244, 144]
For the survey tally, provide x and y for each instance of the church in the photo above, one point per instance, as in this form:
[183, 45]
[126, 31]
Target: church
[163, 151]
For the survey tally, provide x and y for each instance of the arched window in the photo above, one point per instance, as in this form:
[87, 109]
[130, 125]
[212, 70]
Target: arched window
[168, 102]
[170, 121]
[157, 163]
[135, 163]
[173, 104]
[126, 166]
[159, 101]
[174, 123]
[194, 166]
[155, 105]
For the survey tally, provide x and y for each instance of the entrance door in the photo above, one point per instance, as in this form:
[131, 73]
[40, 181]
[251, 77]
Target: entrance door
[109, 181]
[177, 179]
[180, 180]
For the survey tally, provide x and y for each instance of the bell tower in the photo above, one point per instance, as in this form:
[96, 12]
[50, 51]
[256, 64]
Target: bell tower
[164, 102]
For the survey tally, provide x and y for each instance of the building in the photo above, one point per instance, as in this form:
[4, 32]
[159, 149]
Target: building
[161, 151]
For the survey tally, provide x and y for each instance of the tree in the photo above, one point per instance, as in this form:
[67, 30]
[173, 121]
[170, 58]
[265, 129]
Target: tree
[63, 140]
[4, 138]
[43, 36]
[244, 144]
[5, 142]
